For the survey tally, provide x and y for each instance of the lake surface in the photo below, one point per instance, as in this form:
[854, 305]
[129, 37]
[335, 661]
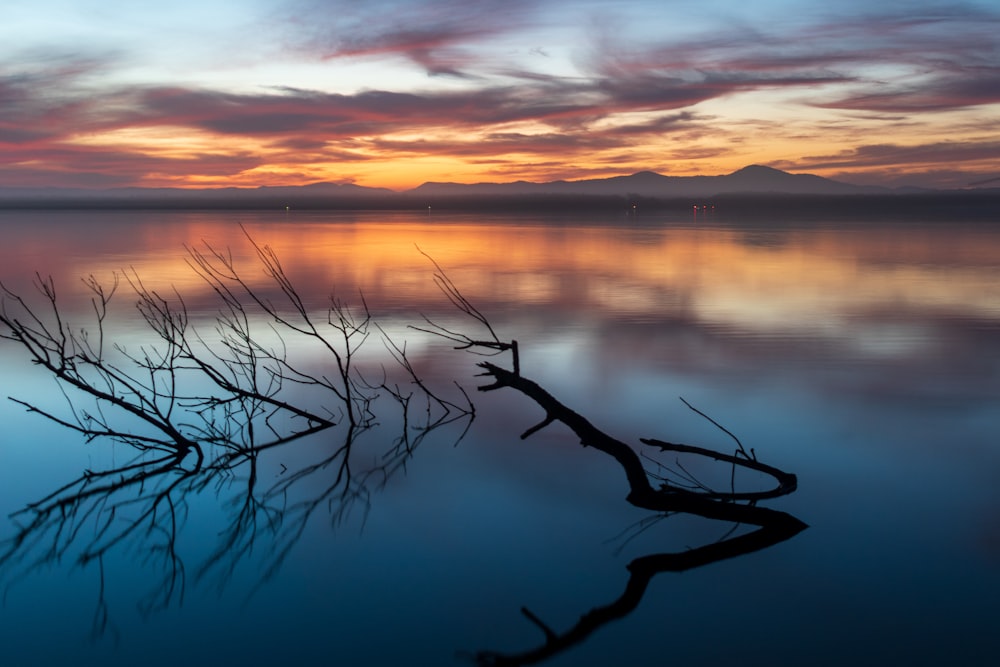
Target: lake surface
[863, 356]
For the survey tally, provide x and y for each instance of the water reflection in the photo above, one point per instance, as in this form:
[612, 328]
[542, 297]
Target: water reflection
[865, 358]
[678, 489]
[142, 508]
[199, 415]
[813, 278]
[640, 573]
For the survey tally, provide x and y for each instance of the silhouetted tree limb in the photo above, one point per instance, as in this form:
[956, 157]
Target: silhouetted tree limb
[76, 363]
[737, 507]
[349, 329]
[711, 505]
[227, 397]
[696, 499]
[464, 341]
[190, 390]
[786, 481]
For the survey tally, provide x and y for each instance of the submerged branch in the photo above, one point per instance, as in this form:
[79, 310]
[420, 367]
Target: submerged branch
[228, 397]
[464, 341]
[786, 481]
[711, 505]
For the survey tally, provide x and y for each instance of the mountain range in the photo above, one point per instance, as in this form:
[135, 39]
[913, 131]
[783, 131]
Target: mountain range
[751, 180]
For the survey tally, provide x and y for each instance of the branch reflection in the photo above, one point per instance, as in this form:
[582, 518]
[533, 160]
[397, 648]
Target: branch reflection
[640, 572]
[203, 414]
[140, 509]
[654, 489]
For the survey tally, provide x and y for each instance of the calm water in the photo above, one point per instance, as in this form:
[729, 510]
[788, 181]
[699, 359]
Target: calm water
[863, 357]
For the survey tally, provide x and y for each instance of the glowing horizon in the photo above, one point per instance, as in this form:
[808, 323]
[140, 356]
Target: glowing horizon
[396, 93]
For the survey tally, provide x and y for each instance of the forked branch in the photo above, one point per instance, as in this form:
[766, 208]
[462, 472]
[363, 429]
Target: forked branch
[641, 492]
[464, 341]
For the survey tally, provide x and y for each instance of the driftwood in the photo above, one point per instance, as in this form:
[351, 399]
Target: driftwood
[773, 526]
[667, 498]
[738, 507]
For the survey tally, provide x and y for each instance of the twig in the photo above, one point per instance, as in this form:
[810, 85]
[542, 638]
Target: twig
[719, 426]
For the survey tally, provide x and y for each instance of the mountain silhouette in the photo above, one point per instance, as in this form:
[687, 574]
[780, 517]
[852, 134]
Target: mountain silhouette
[752, 179]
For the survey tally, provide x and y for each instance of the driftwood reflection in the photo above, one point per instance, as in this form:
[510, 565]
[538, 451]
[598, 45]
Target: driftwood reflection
[640, 572]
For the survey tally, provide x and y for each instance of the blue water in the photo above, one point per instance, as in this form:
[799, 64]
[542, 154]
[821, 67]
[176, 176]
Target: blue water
[863, 357]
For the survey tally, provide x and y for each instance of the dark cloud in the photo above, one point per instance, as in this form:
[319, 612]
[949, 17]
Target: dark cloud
[324, 116]
[975, 87]
[316, 123]
[892, 154]
[936, 164]
[48, 96]
[502, 144]
[948, 54]
[435, 34]
[925, 57]
[14, 176]
[337, 115]
[34, 101]
[14, 133]
[93, 166]
[670, 123]
[987, 181]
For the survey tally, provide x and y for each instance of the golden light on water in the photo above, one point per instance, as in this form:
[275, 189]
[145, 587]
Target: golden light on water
[810, 281]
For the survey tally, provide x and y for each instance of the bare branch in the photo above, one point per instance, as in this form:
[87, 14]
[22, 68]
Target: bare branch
[463, 341]
[719, 426]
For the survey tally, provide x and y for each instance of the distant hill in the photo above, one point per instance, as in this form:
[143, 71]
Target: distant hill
[753, 179]
[753, 182]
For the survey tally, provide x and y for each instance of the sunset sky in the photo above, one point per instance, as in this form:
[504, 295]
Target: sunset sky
[209, 93]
